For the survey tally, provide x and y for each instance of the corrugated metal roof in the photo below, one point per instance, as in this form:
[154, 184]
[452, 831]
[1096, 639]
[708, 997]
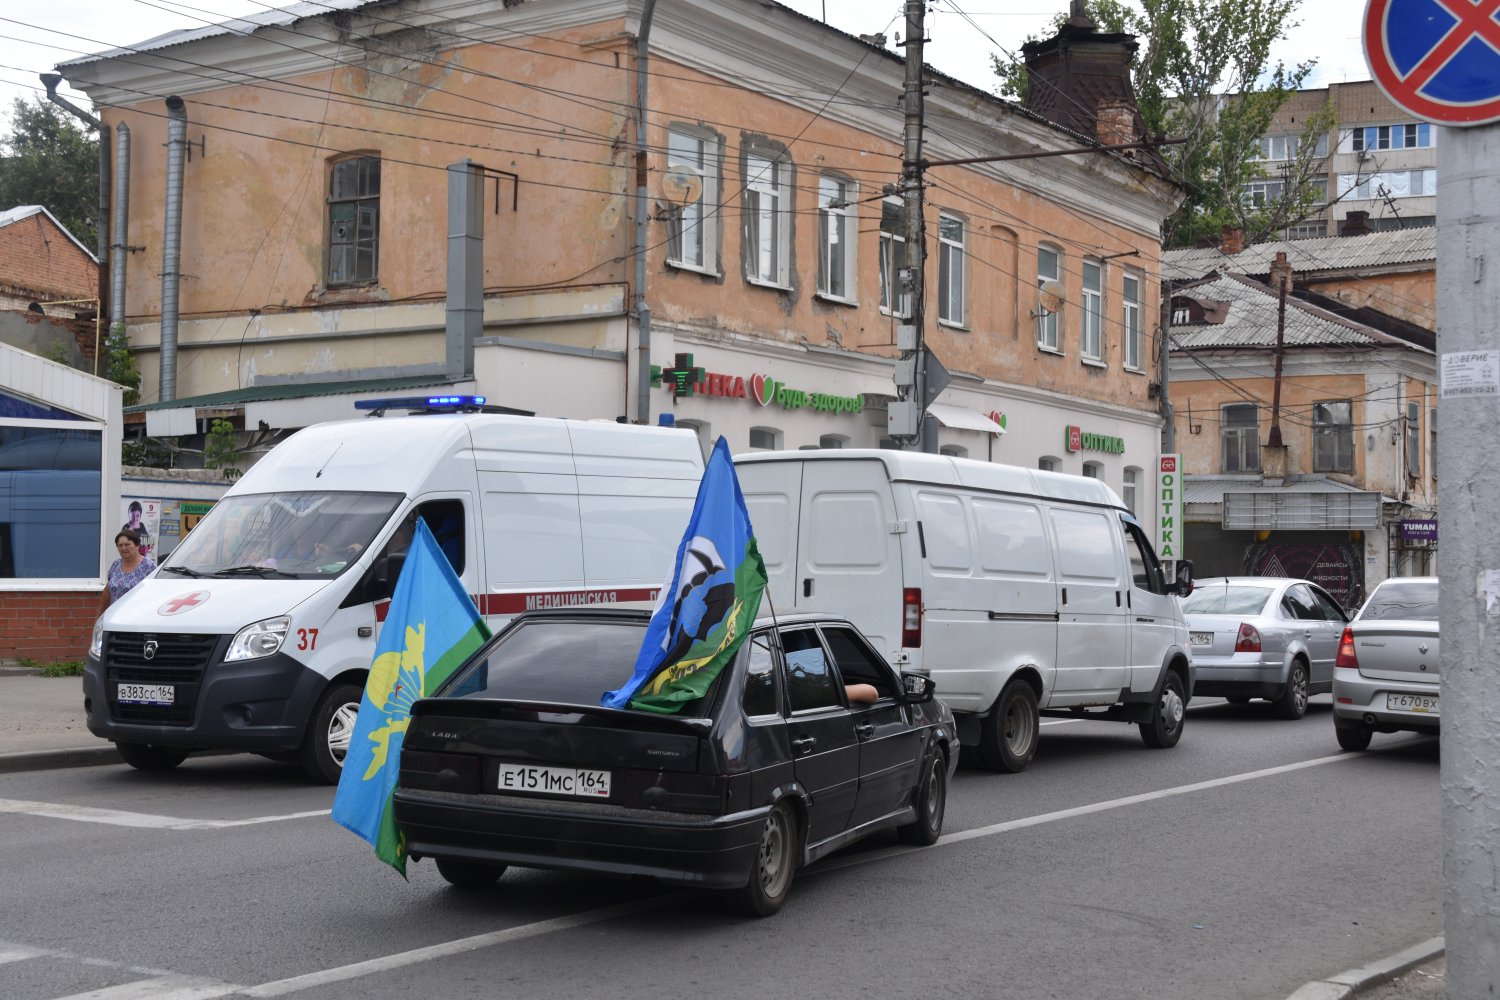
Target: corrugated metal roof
[1251, 320]
[1211, 489]
[230, 26]
[1330, 253]
[291, 390]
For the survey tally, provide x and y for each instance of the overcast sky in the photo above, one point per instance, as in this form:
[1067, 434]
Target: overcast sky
[36, 36]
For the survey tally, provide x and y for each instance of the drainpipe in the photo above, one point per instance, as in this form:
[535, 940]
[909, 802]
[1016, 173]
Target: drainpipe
[50, 81]
[642, 309]
[171, 245]
[119, 230]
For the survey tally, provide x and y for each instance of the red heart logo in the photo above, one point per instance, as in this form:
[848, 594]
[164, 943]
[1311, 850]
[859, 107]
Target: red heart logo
[758, 389]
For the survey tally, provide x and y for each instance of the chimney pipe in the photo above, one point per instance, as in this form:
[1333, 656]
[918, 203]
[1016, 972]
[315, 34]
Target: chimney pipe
[171, 245]
[119, 231]
[465, 294]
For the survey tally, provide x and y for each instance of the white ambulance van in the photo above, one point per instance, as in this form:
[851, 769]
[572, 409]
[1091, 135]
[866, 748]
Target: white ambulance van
[1020, 592]
[257, 631]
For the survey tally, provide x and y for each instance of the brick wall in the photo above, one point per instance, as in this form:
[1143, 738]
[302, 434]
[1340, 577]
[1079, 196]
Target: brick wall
[47, 625]
[36, 254]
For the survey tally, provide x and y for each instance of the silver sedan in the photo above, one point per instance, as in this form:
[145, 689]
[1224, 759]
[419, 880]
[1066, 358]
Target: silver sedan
[1387, 676]
[1263, 637]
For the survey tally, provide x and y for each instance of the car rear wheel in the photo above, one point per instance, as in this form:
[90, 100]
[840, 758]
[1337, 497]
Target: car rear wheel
[1354, 737]
[328, 733]
[1293, 701]
[771, 872]
[1008, 735]
[931, 802]
[1165, 727]
[147, 757]
[469, 874]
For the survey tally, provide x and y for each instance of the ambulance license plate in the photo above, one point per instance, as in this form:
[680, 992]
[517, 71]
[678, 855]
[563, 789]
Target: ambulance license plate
[145, 694]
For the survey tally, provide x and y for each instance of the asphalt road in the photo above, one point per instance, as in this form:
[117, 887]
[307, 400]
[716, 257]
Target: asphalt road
[1252, 858]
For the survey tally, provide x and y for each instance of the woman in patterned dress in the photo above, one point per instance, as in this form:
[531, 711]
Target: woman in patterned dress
[128, 570]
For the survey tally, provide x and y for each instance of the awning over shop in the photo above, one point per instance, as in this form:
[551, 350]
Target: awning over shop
[963, 418]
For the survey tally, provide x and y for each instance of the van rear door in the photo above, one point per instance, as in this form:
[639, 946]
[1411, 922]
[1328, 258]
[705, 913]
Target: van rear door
[1093, 631]
[773, 498]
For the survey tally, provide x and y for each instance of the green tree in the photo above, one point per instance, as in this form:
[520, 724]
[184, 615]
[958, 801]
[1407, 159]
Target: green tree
[1204, 74]
[47, 158]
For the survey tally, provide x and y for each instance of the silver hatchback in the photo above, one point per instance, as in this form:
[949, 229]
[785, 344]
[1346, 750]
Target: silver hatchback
[1386, 679]
[1263, 637]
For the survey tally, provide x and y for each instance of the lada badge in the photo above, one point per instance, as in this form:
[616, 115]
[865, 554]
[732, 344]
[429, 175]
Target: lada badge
[183, 602]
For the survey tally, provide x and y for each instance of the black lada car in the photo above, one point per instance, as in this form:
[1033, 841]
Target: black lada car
[513, 761]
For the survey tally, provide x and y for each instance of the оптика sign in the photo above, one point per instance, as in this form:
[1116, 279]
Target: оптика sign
[1077, 440]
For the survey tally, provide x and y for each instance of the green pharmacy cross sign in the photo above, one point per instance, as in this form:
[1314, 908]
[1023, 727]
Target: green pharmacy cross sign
[681, 377]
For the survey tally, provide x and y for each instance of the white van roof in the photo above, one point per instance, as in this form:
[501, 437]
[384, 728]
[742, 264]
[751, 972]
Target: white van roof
[399, 454]
[920, 467]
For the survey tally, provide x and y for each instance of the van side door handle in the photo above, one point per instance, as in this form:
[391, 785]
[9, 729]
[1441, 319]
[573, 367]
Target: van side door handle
[807, 586]
[805, 744]
[865, 730]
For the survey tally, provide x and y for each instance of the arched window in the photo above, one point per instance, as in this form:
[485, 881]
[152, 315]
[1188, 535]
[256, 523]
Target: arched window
[765, 438]
[833, 441]
[1094, 470]
[1048, 464]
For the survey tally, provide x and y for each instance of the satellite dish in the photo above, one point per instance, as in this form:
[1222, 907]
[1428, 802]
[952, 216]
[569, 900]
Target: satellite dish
[1052, 296]
[681, 185]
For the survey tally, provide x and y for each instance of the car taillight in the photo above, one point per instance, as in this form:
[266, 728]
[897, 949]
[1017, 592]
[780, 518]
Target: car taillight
[1346, 657]
[1248, 641]
[911, 617]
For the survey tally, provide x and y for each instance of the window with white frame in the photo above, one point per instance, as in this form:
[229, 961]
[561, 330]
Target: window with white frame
[1048, 268]
[1262, 192]
[767, 218]
[693, 225]
[895, 298]
[837, 225]
[951, 269]
[1132, 486]
[1333, 436]
[1130, 321]
[1091, 332]
[1239, 437]
[1284, 147]
[1389, 183]
[765, 438]
[1410, 135]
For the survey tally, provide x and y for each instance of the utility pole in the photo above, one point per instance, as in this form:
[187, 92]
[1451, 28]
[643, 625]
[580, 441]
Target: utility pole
[1280, 275]
[908, 419]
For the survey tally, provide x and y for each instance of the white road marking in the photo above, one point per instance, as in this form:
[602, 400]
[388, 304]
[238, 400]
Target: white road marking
[169, 987]
[119, 817]
[19, 952]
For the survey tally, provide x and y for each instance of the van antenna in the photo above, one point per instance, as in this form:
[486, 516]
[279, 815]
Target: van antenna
[335, 451]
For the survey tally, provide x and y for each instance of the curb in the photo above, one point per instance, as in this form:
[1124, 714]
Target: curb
[47, 760]
[1353, 982]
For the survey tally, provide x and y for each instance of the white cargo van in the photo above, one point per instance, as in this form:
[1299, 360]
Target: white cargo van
[1020, 592]
[257, 631]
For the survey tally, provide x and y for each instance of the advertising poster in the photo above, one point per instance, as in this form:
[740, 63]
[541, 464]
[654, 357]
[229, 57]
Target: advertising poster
[1335, 568]
[142, 515]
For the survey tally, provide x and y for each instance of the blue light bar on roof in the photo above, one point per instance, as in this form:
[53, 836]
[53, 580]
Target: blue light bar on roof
[442, 404]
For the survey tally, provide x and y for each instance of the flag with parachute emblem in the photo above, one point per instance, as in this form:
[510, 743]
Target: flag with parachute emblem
[706, 609]
[431, 628]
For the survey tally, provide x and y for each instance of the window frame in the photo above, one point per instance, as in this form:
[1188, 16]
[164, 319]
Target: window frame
[1091, 314]
[361, 200]
[952, 264]
[768, 174]
[1130, 347]
[1049, 322]
[1414, 439]
[848, 217]
[1130, 483]
[890, 267]
[774, 433]
[1340, 434]
[1235, 431]
[710, 155]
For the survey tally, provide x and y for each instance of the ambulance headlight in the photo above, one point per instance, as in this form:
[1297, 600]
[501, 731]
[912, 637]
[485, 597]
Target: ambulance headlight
[96, 644]
[260, 639]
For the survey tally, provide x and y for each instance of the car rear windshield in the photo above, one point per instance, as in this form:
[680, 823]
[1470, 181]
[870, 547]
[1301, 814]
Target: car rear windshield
[569, 662]
[1414, 600]
[1226, 599]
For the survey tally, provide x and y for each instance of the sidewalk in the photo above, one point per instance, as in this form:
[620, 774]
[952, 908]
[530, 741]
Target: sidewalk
[42, 727]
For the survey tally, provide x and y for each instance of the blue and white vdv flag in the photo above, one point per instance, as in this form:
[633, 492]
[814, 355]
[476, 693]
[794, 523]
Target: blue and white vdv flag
[706, 610]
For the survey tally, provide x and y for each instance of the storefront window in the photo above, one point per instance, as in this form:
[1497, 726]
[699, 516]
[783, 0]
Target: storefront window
[49, 502]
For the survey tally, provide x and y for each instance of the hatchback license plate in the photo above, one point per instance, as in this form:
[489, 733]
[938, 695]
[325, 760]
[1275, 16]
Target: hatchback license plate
[588, 783]
[145, 694]
[1411, 703]
[1202, 638]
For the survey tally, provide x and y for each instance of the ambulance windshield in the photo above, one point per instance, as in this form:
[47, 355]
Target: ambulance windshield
[305, 536]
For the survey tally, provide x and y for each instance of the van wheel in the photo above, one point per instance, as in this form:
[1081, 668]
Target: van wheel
[327, 739]
[772, 870]
[146, 757]
[468, 874]
[1165, 727]
[1293, 701]
[931, 803]
[1008, 735]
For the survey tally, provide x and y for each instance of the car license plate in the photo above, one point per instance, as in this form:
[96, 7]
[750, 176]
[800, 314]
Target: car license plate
[1202, 638]
[145, 694]
[581, 781]
[1411, 702]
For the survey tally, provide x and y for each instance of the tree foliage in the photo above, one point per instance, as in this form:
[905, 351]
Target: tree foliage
[49, 159]
[1204, 73]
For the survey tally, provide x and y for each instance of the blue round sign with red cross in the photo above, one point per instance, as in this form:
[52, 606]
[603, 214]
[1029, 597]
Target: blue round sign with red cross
[1438, 59]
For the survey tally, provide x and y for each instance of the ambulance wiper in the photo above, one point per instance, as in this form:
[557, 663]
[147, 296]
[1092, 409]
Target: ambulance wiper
[181, 569]
[260, 571]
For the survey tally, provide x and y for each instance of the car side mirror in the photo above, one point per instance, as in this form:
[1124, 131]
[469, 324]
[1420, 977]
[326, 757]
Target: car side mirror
[917, 689]
[1183, 586]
